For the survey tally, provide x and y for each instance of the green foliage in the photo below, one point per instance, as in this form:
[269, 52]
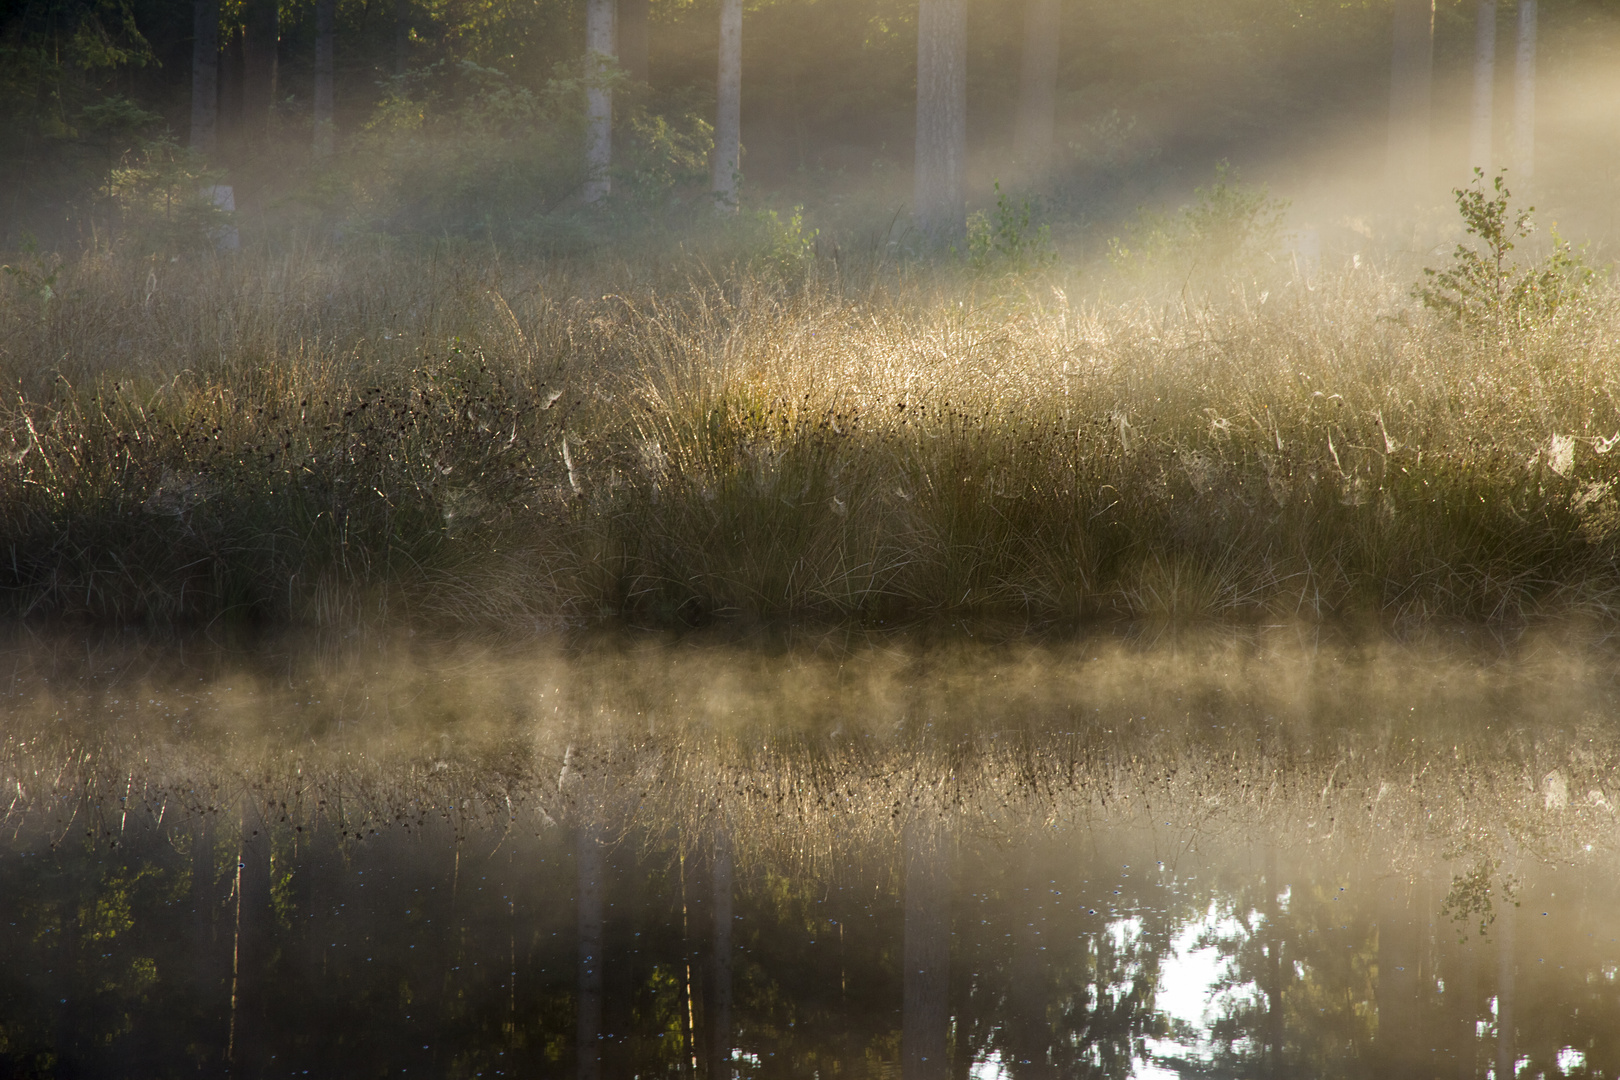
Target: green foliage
[1228, 229]
[1482, 285]
[1004, 239]
[785, 249]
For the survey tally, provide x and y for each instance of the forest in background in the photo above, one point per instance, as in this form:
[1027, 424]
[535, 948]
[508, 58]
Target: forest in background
[456, 117]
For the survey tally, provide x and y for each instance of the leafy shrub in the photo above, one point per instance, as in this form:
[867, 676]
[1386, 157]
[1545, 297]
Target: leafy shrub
[1482, 285]
[1005, 239]
[1226, 230]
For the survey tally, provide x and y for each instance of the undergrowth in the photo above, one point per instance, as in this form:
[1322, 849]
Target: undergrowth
[324, 435]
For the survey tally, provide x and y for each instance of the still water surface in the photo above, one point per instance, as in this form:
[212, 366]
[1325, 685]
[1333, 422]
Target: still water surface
[1249, 853]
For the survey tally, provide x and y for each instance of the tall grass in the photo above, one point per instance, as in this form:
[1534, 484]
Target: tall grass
[322, 433]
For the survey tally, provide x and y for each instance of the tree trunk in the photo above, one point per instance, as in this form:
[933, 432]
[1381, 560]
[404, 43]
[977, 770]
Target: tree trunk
[1524, 94]
[402, 35]
[599, 59]
[941, 162]
[205, 76]
[634, 53]
[1037, 91]
[325, 35]
[728, 117]
[926, 952]
[1410, 93]
[1479, 143]
[260, 43]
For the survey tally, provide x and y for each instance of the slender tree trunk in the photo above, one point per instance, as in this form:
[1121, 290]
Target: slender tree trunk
[205, 76]
[402, 35]
[325, 35]
[634, 52]
[260, 44]
[251, 946]
[728, 117]
[599, 60]
[1410, 93]
[1037, 90]
[941, 164]
[1524, 94]
[720, 978]
[926, 953]
[1479, 142]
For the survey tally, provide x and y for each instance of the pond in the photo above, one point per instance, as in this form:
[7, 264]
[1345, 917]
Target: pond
[1146, 852]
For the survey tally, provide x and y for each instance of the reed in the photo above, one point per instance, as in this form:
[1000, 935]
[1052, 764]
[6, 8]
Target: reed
[326, 434]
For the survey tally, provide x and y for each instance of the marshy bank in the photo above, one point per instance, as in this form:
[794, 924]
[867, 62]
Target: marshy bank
[1217, 851]
[338, 435]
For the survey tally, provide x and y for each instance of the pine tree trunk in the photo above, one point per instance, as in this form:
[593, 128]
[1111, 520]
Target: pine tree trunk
[261, 40]
[1410, 92]
[941, 162]
[325, 35]
[633, 46]
[599, 60]
[1037, 90]
[1479, 142]
[205, 76]
[728, 116]
[402, 35]
[1524, 94]
[926, 953]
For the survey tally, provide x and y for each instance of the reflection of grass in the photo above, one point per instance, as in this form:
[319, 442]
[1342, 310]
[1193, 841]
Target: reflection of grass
[323, 436]
[817, 753]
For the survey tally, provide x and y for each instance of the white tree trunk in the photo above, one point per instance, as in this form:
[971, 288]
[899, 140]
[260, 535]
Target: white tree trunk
[1037, 90]
[941, 119]
[1479, 142]
[204, 76]
[1410, 94]
[599, 62]
[728, 117]
[325, 35]
[1524, 94]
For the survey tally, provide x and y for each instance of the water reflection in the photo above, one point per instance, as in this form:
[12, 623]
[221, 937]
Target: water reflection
[1229, 857]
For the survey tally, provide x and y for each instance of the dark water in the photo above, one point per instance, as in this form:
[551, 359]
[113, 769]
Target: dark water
[1247, 855]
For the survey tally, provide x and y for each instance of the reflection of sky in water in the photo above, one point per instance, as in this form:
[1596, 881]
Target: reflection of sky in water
[1190, 993]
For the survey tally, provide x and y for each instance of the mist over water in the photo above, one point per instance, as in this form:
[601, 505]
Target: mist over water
[1173, 852]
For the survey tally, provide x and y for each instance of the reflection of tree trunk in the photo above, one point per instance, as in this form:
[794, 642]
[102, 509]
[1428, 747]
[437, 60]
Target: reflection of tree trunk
[1028, 1028]
[1479, 142]
[1411, 81]
[599, 58]
[204, 75]
[1524, 93]
[941, 163]
[720, 967]
[325, 35]
[245, 1044]
[1037, 90]
[1462, 988]
[260, 42]
[925, 1017]
[728, 116]
[590, 866]
[1399, 954]
[1273, 987]
[1507, 969]
[633, 48]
